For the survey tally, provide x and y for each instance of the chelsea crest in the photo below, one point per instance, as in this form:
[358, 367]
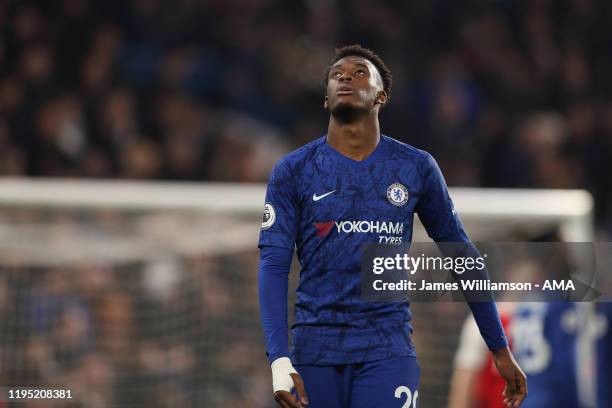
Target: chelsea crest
[397, 194]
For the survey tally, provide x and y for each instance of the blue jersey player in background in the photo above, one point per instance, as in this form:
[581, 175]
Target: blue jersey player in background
[544, 343]
[351, 187]
[561, 346]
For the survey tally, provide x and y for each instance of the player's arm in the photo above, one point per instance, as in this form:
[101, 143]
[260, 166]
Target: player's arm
[276, 243]
[436, 212]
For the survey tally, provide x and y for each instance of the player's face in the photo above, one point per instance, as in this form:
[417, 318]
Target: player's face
[353, 84]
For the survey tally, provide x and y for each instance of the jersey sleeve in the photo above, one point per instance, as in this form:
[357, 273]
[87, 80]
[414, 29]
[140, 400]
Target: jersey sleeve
[437, 213]
[281, 211]
[273, 280]
[435, 207]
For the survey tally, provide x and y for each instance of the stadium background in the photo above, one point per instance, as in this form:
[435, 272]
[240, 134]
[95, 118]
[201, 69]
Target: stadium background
[503, 93]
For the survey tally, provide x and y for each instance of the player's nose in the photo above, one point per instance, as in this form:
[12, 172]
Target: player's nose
[346, 77]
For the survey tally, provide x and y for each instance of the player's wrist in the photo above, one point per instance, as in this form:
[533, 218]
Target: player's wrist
[500, 343]
[281, 363]
[282, 368]
[502, 352]
[504, 357]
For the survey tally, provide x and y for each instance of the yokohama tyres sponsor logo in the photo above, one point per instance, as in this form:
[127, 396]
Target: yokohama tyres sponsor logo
[347, 227]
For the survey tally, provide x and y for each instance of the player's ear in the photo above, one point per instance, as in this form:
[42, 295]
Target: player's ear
[381, 98]
[325, 104]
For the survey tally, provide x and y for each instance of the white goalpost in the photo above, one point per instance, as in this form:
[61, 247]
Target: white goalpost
[487, 213]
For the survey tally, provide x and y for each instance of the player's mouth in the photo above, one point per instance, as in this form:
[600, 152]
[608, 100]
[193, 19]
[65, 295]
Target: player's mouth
[344, 90]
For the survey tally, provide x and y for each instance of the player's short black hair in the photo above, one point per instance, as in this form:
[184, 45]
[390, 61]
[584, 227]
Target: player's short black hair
[356, 50]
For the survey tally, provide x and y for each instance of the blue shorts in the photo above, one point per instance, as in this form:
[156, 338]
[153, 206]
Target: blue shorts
[387, 383]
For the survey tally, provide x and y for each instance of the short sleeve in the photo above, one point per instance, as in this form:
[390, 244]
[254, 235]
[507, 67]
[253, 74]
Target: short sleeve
[281, 210]
[435, 208]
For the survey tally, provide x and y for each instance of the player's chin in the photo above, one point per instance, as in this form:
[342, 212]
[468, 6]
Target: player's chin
[346, 107]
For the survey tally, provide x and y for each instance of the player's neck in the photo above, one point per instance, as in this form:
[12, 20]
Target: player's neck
[356, 140]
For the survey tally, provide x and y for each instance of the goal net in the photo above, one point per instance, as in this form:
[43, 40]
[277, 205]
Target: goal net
[145, 294]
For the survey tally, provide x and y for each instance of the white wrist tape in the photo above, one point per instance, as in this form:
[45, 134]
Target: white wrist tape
[281, 380]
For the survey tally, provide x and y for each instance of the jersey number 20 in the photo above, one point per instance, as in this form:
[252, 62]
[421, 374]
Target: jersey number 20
[411, 399]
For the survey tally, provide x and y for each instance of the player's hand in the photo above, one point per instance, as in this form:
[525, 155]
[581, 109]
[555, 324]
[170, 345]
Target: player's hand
[284, 379]
[286, 400]
[516, 381]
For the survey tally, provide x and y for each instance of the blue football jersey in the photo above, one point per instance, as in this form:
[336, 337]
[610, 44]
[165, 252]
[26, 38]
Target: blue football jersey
[326, 206]
[550, 344]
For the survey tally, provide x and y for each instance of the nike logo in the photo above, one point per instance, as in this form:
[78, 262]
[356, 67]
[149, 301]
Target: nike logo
[315, 197]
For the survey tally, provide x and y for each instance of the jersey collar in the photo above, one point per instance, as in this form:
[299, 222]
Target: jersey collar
[355, 163]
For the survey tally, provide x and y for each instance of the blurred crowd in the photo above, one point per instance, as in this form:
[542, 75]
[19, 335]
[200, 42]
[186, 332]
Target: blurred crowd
[506, 93]
[173, 332]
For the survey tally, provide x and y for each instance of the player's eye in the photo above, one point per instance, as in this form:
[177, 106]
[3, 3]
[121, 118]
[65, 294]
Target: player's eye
[360, 72]
[336, 74]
